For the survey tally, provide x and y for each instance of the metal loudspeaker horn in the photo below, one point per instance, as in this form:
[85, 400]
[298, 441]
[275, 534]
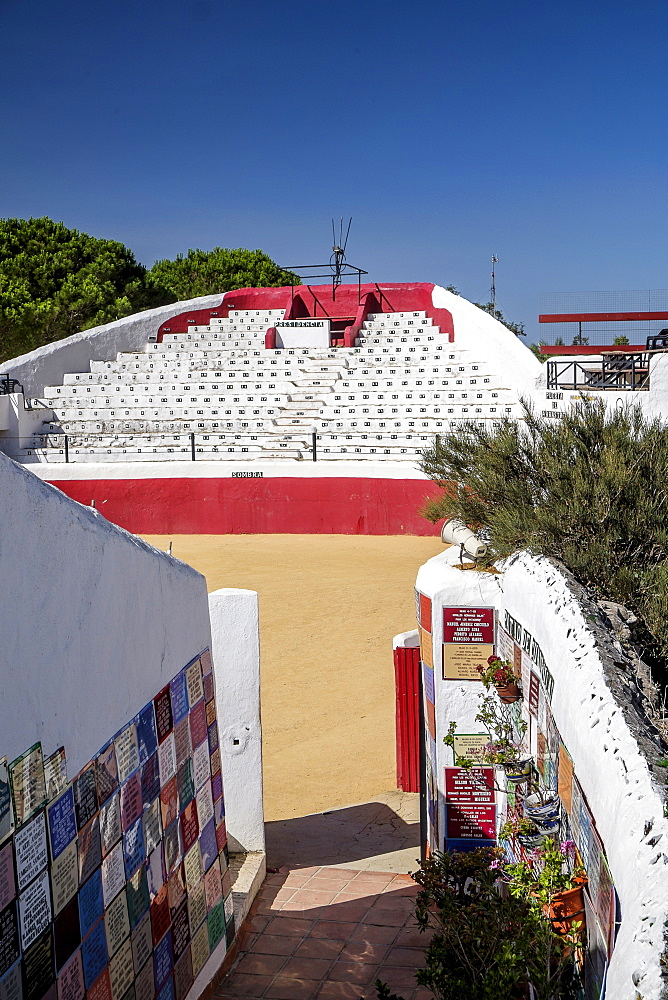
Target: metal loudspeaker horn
[456, 532]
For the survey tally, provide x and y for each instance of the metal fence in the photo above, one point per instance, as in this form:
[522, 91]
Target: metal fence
[627, 372]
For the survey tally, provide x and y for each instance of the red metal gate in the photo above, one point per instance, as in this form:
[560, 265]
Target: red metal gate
[407, 686]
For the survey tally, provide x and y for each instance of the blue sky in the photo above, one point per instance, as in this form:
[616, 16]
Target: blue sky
[448, 131]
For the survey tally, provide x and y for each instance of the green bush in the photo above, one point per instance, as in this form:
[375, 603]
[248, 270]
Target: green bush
[486, 946]
[590, 489]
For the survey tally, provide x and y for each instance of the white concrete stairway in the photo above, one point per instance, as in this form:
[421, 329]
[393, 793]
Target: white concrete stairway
[317, 378]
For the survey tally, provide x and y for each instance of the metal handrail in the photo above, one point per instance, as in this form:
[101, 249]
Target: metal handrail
[622, 371]
[9, 385]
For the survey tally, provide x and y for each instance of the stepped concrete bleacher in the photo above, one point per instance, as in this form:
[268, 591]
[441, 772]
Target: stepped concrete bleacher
[209, 416]
[386, 397]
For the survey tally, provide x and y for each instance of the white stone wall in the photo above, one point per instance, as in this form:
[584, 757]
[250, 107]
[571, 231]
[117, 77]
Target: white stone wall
[93, 620]
[600, 729]
[236, 655]
[47, 365]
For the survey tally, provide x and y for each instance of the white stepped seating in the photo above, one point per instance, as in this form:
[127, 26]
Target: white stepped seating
[385, 398]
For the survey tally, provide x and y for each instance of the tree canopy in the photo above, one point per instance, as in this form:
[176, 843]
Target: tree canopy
[588, 489]
[205, 272]
[56, 281]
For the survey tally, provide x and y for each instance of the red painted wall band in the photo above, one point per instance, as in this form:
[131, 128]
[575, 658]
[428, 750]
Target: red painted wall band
[259, 506]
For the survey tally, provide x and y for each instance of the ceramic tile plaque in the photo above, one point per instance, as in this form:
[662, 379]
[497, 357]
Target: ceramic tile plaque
[110, 884]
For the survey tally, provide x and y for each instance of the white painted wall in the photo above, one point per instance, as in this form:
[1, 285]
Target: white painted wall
[47, 365]
[302, 333]
[613, 773]
[486, 338]
[93, 621]
[235, 648]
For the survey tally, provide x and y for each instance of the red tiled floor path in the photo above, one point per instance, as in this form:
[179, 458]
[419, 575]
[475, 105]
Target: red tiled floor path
[328, 934]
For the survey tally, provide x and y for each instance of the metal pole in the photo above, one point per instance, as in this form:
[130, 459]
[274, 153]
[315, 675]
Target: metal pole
[314, 446]
[192, 445]
[67, 449]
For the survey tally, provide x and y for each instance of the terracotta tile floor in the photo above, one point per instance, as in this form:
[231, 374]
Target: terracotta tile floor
[328, 934]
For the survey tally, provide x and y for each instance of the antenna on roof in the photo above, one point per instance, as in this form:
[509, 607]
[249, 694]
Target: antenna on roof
[495, 260]
[338, 258]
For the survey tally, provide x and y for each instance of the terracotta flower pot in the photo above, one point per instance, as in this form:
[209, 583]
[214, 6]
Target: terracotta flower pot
[566, 909]
[508, 693]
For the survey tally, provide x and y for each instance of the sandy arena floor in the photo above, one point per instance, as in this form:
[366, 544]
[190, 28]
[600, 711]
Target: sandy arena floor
[329, 606]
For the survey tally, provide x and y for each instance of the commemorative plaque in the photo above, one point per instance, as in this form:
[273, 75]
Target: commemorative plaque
[31, 851]
[133, 847]
[11, 984]
[198, 730]
[182, 741]
[55, 774]
[201, 765]
[163, 959]
[26, 779]
[71, 980]
[137, 895]
[62, 823]
[121, 971]
[152, 826]
[468, 640]
[35, 910]
[85, 795]
[111, 830]
[64, 877]
[131, 801]
[204, 804]
[106, 769]
[167, 759]
[196, 907]
[216, 924]
[90, 849]
[185, 784]
[91, 903]
[183, 976]
[9, 938]
[66, 934]
[127, 752]
[194, 682]
[208, 845]
[178, 698]
[6, 818]
[113, 873]
[147, 738]
[38, 968]
[200, 948]
[142, 942]
[94, 954]
[163, 714]
[180, 931]
[117, 924]
[7, 882]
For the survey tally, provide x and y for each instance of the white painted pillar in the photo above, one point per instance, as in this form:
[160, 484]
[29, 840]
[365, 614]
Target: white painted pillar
[235, 636]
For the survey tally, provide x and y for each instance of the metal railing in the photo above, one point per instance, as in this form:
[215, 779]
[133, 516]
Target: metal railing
[191, 446]
[619, 372]
[9, 385]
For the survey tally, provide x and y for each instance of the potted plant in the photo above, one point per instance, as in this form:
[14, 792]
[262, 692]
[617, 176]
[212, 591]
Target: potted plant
[523, 830]
[547, 879]
[543, 809]
[505, 749]
[500, 674]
